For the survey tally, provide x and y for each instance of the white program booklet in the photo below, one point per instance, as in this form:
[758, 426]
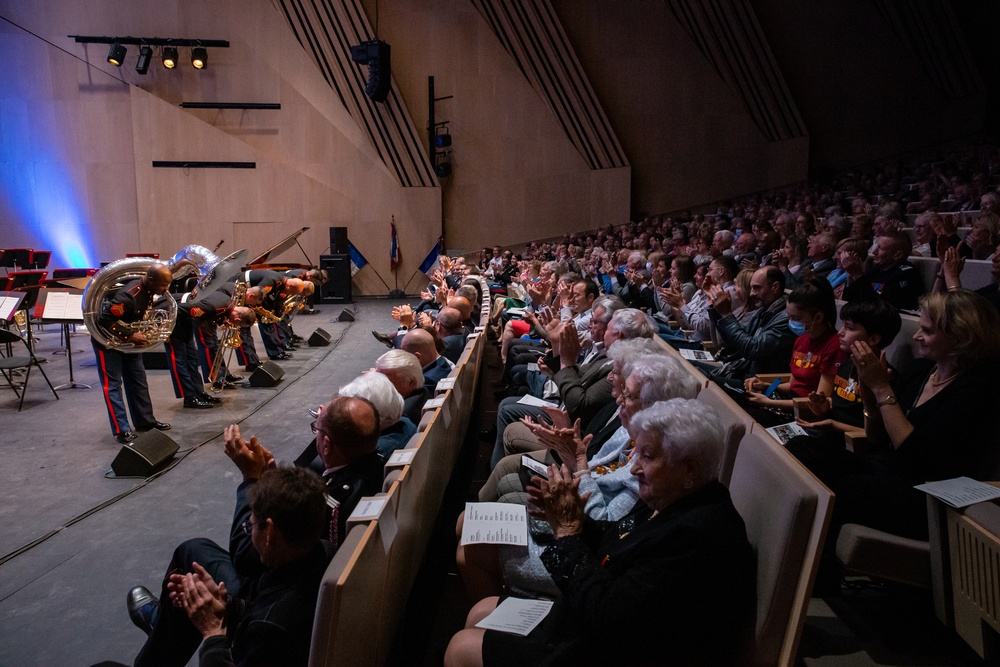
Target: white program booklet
[516, 616]
[528, 399]
[703, 356]
[785, 432]
[960, 492]
[495, 523]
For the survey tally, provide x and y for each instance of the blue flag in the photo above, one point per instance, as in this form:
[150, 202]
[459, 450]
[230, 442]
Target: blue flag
[358, 260]
[431, 262]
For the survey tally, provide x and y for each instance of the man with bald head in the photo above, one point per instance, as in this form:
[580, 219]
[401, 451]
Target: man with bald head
[421, 344]
[449, 326]
[120, 312]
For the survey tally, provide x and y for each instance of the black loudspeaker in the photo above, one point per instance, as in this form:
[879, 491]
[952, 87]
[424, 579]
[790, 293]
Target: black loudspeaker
[144, 455]
[338, 288]
[345, 316]
[266, 375]
[319, 338]
[338, 241]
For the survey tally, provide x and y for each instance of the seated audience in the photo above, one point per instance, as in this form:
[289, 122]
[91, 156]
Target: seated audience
[395, 430]
[933, 422]
[420, 344]
[679, 568]
[275, 558]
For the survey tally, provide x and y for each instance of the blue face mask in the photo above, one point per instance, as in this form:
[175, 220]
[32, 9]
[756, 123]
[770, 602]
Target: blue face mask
[796, 327]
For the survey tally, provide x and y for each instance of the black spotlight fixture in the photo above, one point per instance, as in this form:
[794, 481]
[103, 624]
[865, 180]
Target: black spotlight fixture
[116, 54]
[199, 57]
[169, 57]
[145, 55]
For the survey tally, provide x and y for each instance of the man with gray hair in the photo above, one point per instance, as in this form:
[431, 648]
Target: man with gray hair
[395, 430]
[404, 371]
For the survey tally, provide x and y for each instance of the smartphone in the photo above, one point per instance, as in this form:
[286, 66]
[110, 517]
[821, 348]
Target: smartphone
[769, 392]
[432, 288]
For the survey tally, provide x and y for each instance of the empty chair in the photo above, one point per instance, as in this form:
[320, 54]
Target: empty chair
[9, 364]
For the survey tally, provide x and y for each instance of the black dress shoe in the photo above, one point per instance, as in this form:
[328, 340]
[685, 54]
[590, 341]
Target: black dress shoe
[196, 403]
[126, 437]
[218, 386]
[159, 426]
[281, 357]
[383, 338]
[297, 338]
[141, 604]
[214, 400]
[252, 367]
[234, 378]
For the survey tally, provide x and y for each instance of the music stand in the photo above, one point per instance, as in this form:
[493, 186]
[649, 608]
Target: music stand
[15, 258]
[10, 303]
[40, 258]
[65, 307]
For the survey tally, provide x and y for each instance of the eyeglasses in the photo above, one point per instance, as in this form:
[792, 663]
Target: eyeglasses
[315, 429]
[626, 394]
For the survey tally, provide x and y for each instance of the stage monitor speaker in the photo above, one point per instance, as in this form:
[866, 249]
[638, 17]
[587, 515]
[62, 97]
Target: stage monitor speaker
[266, 375]
[145, 455]
[345, 316]
[338, 288]
[338, 241]
[319, 338]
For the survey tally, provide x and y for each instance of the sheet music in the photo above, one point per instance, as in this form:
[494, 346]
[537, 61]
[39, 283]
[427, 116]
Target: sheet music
[8, 304]
[960, 492]
[516, 616]
[63, 306]
[495, 523]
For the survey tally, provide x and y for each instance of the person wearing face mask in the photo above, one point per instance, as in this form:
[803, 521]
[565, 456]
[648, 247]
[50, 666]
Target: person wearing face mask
[812, 317]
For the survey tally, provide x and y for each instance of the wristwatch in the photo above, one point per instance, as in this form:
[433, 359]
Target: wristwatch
[888, 400]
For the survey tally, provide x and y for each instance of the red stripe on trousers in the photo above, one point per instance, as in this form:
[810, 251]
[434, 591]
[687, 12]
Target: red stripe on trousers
[107, 394]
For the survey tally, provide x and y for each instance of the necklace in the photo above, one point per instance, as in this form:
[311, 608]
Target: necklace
[937, 383]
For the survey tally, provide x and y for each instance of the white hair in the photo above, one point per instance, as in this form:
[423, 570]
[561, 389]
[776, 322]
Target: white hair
[378, 389]
[402, 363]
[685, 428]
[661, 377]
[631, 323]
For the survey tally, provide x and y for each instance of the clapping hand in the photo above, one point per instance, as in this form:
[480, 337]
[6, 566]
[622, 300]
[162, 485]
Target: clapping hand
[251, 457]
[558, 501]
[873, 371]
[569, 346]
[201, 598]
[952, 265]
[721, 300]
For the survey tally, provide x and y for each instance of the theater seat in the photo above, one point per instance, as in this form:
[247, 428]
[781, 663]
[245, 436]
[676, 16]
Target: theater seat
[786, 511]
[864, 550]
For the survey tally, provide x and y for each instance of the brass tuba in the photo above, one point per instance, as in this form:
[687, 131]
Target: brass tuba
[156, 324]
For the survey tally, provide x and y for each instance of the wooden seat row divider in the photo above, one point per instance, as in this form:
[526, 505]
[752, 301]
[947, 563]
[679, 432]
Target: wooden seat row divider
[365, 589]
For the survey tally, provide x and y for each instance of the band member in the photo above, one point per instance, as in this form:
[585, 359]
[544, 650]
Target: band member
[118, 369]
[318, 278]
[274, 292]
[202, 312]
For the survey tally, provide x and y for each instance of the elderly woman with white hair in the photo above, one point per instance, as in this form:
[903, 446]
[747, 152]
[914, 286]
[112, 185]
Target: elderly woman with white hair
[606, 480]
[674, 582]
[395, 430]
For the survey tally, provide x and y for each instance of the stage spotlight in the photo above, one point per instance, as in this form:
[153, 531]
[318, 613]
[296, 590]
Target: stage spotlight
[169, 57]
[145, 55]
[199, 57]
[116, 54]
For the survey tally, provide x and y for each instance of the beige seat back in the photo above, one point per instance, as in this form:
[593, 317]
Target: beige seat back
[786, 511]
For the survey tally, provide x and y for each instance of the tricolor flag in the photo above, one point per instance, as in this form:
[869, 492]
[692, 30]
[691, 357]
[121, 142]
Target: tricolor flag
[431, 262]
[394, 255]
[358, 260]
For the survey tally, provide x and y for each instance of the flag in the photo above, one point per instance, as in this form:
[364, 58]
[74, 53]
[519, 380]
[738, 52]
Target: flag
[431, 262]
[358, 260]
[394, 255]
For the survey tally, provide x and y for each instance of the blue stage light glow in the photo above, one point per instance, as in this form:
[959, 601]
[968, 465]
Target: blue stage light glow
[46, 204]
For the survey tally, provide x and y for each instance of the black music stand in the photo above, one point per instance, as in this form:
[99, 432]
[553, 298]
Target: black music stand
[15, 258]
[47, 312]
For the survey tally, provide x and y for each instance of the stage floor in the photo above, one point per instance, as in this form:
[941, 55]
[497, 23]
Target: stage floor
[74, 541]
